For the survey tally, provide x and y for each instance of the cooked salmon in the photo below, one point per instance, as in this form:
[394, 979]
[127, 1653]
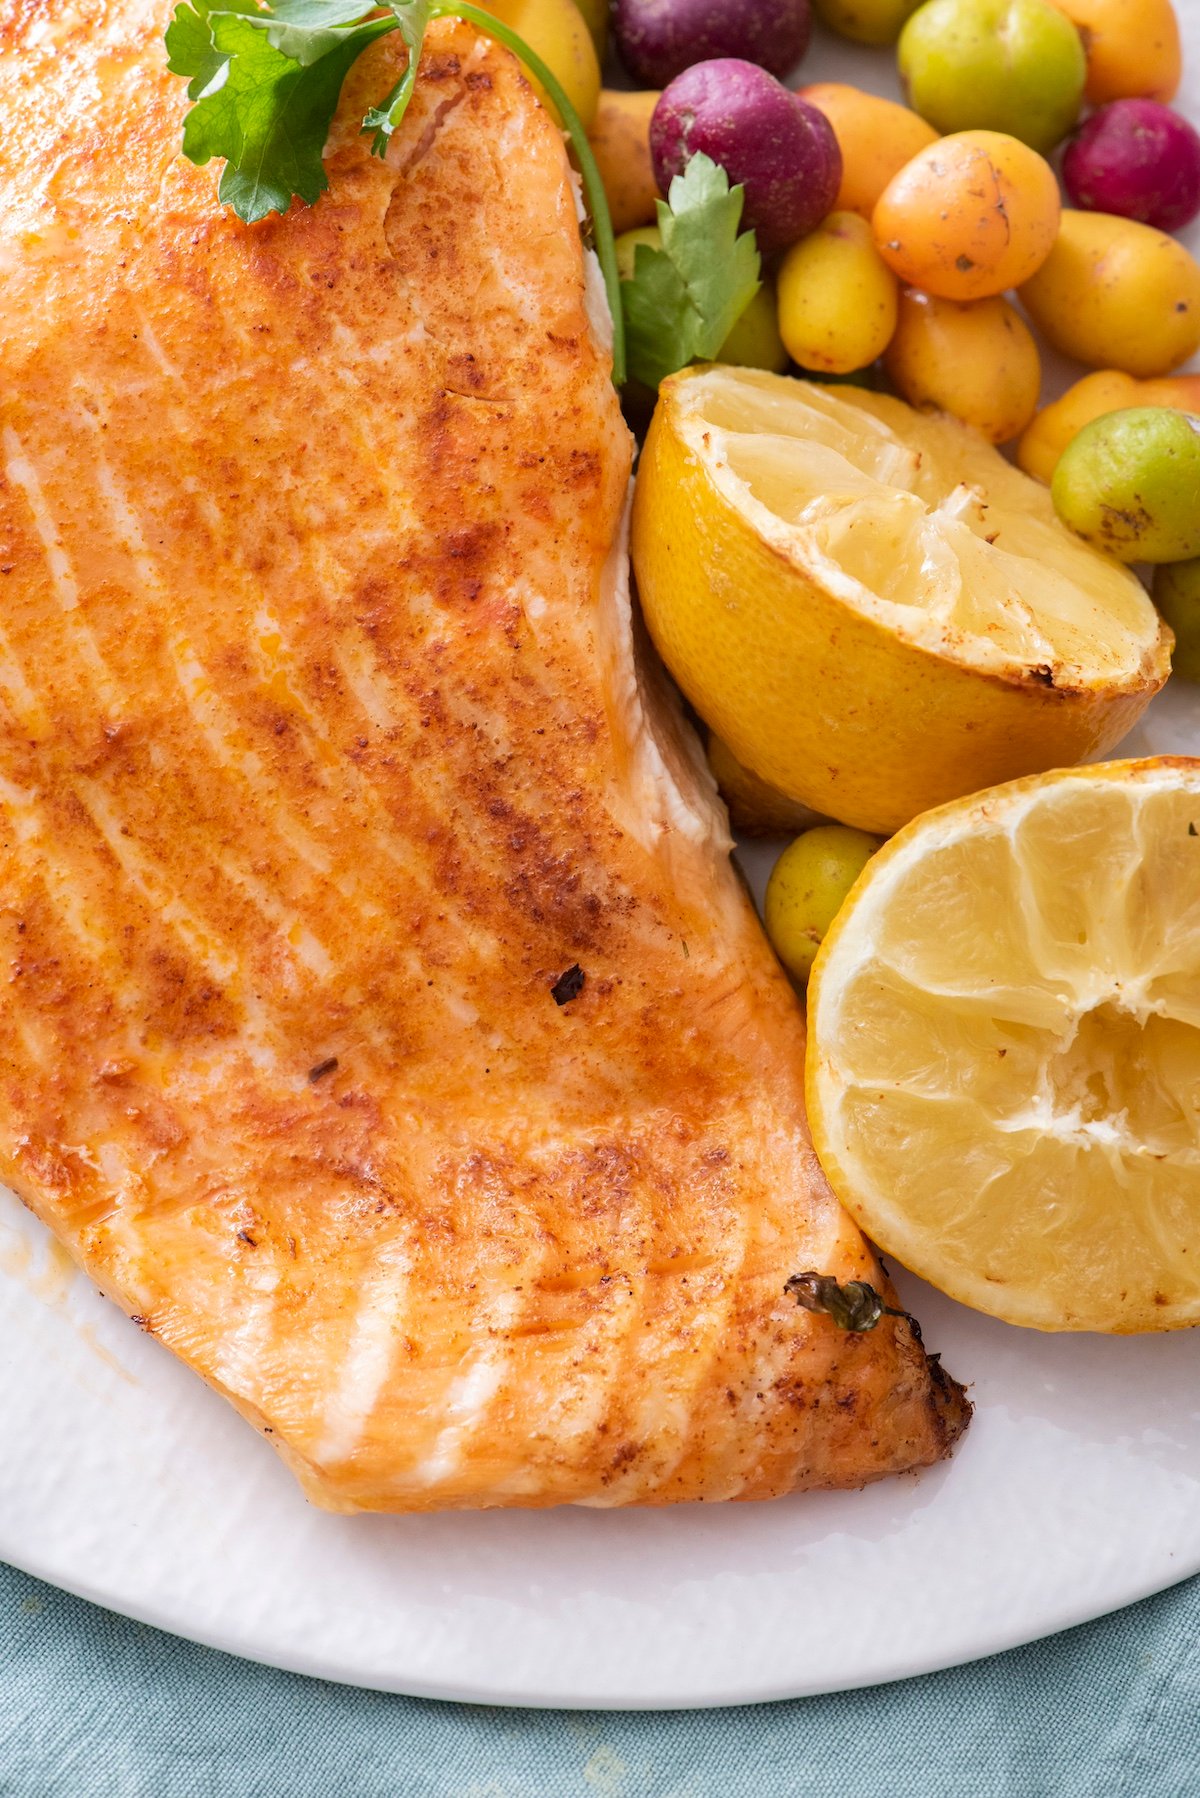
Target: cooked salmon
[387, 1030]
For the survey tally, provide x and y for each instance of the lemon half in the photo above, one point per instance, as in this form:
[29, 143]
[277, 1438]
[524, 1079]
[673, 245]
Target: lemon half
[872, 608]
[1004, 1049]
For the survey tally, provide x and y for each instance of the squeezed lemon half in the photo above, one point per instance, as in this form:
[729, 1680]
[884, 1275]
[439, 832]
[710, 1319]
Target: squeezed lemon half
[868, 605]
[1004, 1048]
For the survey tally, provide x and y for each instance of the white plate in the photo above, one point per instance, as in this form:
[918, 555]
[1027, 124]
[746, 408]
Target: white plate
[1076, 1490]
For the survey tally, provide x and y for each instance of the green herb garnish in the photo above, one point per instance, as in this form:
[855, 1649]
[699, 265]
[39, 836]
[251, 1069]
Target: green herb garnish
[856, 1306]
[685, 299]
[264, 84]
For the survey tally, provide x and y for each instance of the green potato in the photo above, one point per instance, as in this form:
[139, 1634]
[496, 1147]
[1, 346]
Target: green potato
[1130, 483]
[866, 21]
[807, 889]
[627, 244]
[1016, 66]
[754, 341]
[1177, 596]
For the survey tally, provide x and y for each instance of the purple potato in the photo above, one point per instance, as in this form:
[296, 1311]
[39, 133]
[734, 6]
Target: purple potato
[1139, 160]
[778, 147]
[659, 39]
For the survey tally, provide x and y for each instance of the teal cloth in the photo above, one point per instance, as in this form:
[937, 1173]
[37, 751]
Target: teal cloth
[92, 1706]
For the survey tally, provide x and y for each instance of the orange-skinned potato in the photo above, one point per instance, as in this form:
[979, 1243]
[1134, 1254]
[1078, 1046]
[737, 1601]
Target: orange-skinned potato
[620, 140]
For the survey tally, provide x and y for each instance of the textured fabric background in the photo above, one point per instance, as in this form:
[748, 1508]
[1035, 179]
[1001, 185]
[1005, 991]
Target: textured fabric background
[94, 1707]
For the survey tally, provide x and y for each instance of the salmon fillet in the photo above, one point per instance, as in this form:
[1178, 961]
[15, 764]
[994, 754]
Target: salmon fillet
[327, 774]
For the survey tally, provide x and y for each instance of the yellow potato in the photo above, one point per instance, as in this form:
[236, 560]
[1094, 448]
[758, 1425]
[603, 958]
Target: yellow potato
[1117, 295]
[595, 17]
[555, 31]
[866, 21]
[975, 359]
[972, 215]
[620, 140]
[876, 137]
[1108, 390]
[837, 297]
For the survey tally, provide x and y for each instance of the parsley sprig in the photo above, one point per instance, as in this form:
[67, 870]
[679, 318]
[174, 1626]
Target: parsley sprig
[264, 84]
[685, 298]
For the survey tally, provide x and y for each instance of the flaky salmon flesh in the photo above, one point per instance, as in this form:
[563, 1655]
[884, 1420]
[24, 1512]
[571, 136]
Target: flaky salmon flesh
[328, 776]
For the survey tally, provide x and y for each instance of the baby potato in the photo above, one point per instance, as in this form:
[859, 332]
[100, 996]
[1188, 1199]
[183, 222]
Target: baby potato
[620, 140]
[1001, 65]
[595, 17]
[755, 341]
[555, 30]
[975, 359]
[1117, 295]
[866, 21]
[837, 297]
[969, 216]
[876, 137]
[809, 885]
[1177, 596]
[1132, 48]
[1128, 484]
[1108, 390]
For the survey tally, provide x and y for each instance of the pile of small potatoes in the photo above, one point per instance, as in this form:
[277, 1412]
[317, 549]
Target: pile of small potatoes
[927, 248]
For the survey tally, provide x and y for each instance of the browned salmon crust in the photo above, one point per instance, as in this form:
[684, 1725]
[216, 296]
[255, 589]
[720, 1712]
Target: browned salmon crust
[322, 760]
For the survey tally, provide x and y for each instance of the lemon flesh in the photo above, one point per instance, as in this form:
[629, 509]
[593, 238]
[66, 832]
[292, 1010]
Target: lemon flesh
[869, 605]
[1004, 1049]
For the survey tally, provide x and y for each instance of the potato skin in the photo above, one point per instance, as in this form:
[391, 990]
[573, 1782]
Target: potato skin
[837, 297]
[557, 32]
[975, 359]
[877, 137]
[1177, 596]
[1002, 65]
[866, 21]
[620, 140]
[1117, 295]
[781, 150]
[1128, 484]
[972, 215]
[1132, 48]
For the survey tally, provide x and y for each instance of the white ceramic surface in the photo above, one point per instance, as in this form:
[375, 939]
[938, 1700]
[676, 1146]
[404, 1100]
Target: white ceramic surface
[1076, 1490]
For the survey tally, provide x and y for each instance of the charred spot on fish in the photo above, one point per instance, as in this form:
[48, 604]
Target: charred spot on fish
[963, 264]
[251, 1242]
[569, 985]
[328, 1066]
[950, 1408]
[1043, 673]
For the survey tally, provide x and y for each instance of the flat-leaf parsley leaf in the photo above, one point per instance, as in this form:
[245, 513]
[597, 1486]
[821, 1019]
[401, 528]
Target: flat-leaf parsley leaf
[684, 299]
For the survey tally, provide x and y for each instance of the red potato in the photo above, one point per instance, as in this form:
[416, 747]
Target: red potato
[783, 151]
[1139, 160]
[659, 39]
